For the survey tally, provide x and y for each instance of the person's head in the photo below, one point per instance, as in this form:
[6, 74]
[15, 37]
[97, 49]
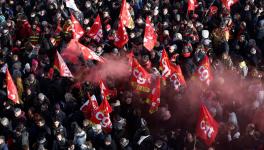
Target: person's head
[31, 78]
[41, 122]
[4, 122]
[97, 128]
[86, 123]
[189, 137]
[108, 140]
[59, 136]
[17, 112]
[2, 139]
[56, 123]
[124, 142]
[41, 97]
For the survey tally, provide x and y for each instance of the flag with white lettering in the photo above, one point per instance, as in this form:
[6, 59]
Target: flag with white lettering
[207, 127]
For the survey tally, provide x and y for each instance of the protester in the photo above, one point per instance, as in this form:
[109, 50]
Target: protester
[131, 74]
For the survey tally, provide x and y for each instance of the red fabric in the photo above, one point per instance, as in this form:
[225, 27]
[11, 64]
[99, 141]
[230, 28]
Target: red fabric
[77, 28]
[89, 107]
[71, 52]
[213, 10]
[11, 88]
[58, 28]
[125, 16]
[121, 37]
[207, 127]
[191, 5]
[101, 116]
[25, 30]
[228, 3]
[89, 54]
[165, 65]
[61, 66]
[204, 72]
[105, 92]
[150, 36]
[155, 97]
[177, 78]
[50, 74]
[96, 31]
[140, 79]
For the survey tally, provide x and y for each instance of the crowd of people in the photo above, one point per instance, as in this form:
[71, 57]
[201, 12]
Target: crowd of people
[48, 116]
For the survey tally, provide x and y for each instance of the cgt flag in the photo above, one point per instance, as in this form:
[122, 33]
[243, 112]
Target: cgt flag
[121, 37]
[140, 79]
[76, 28]
[207, 127]
[96, 31]
[61, 66]
[150, 36]
[191, 5]
[203, 71]
[102, 116]
[177, 78]
[228, 3]
[89, 107]
[105, 92]
[154, 97]
[11, 88]
[125, 15]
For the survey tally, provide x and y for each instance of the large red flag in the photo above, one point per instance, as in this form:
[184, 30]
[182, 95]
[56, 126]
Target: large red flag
[203, 71]
[125, 16]
[165, 65]
[89, 54]
[76, 28]
[140, 79]
[150, 36]
[61, 66]
[155, 97]
[177, 78]
[72, 52]
[11, 88]
[121, 37]
[96, 31]
[101, 116]
[89, 107]
[74, 49]
[228, 3]
[207, 127]
[191, 5]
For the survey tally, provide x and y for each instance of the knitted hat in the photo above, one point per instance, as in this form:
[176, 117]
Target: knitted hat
[4, 121]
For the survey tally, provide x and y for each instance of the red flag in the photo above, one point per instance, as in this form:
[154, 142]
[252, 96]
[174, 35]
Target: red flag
[76, 28]
[207, 127]
[11, 88]
[105, 92]
[191, 5]
[61, 66]
[204, 71]
[96, 31]
[121, 37]
[101, 116]
[155, 97]
[140, 79]
[150, 36]
[130, 57]
[89, 54]
[71, 52]
[229, 3]
[89, 107]
[58, 28]
[165, 65]
[125, 16]
[177, 78]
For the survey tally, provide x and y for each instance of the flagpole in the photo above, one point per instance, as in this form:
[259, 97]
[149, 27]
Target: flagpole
[208, 10]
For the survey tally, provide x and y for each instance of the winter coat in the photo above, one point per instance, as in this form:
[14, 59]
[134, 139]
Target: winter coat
[3, 146]
[59, 145]
[79, 138]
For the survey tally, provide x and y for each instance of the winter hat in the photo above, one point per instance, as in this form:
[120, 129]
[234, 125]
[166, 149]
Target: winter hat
[205, 34]
[116, 104]
[41, 140]
[17, 112]
[233, 118]
[108, 138]
[178, 36]
[41, 96]
[4, 121]
[124, 142]
[97, 127]
[207, 42]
